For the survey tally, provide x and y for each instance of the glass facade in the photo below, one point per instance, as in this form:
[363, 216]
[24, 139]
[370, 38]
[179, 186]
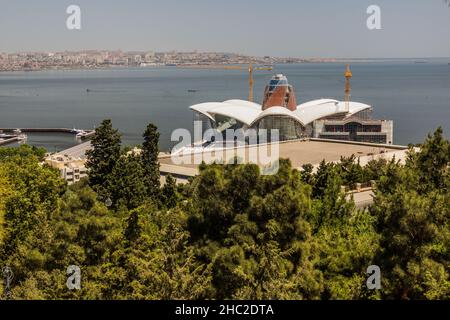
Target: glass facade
[289, 128]
[274, 83]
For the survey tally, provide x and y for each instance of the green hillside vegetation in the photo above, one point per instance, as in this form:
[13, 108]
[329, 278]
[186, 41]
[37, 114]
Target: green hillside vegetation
[230, 233]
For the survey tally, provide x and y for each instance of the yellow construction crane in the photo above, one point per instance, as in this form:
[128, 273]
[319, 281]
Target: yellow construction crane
[348, 76]
[251, 70]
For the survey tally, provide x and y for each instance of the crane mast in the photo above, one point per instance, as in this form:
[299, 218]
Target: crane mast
[348, 76]
[251, 70]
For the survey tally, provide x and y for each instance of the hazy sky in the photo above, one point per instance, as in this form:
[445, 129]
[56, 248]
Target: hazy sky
[313, 28]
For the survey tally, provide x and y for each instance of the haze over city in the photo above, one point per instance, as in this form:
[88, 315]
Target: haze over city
[324, 28]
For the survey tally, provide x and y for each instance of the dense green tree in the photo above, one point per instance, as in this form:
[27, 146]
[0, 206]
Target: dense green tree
[6, 191]
[81, 232]
[230, 233]
[307, 174]
[36, 192]
[374, 170]
[103, 156]
[23, 151]
[156, 261]
[415, 246]
[127, 182]
[150, 153]
[260, 250]
[350, 171]
[321, 178]
[169, 192]
[413, 212]
[432, 162]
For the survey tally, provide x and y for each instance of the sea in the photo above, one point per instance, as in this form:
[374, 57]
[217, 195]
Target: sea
[413, 93]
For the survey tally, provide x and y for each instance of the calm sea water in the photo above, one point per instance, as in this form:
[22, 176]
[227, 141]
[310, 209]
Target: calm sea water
[415, 95]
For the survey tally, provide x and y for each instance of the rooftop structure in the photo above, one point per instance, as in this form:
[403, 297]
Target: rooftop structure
[299, 152]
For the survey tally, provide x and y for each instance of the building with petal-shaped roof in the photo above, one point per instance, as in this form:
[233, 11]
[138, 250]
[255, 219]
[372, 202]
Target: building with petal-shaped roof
[323, 118]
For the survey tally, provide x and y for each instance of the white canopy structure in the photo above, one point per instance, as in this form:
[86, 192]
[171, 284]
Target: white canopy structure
[250, 113]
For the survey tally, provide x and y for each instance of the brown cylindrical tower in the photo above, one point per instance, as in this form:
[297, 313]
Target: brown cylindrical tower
[279, 93]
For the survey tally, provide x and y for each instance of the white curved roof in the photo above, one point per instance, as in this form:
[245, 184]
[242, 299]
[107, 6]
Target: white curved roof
[243, 111]
[317, 109]
[244, 115]
[317, 102]
[278, 111]
[250, 112]
[245, 104]
[313, 110]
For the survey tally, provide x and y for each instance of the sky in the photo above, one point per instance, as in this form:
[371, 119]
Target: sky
[313, 28]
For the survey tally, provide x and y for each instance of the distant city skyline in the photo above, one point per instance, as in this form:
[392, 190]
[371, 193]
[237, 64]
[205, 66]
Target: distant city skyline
[321, 28]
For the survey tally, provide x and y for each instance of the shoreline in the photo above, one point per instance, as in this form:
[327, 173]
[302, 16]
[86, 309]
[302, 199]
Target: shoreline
[189, 65]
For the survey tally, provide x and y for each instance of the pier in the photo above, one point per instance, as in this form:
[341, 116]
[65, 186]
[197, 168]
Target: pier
[9, 140]
[47, 130]
[14, 137]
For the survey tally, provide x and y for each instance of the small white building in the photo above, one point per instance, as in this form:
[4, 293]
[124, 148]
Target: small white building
[71, 169]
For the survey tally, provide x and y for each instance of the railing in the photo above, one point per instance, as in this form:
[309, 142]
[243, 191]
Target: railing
[360, 187]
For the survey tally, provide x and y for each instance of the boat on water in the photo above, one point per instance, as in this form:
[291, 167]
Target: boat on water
[5, 136]
[79, 134]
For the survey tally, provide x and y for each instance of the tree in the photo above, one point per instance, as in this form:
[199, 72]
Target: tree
[307, 174]
[36, 192]
[432, 161]
[415, 240]
[23, 151]
[413, 212]
[127, 182]
[253, 231]
[6, 191]
[80, 231]
[321, 179]
[103, 156]
[350, 171]
[150, 153]
[230, 233]
[156, 260]
[374, 170]
[169, 192]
